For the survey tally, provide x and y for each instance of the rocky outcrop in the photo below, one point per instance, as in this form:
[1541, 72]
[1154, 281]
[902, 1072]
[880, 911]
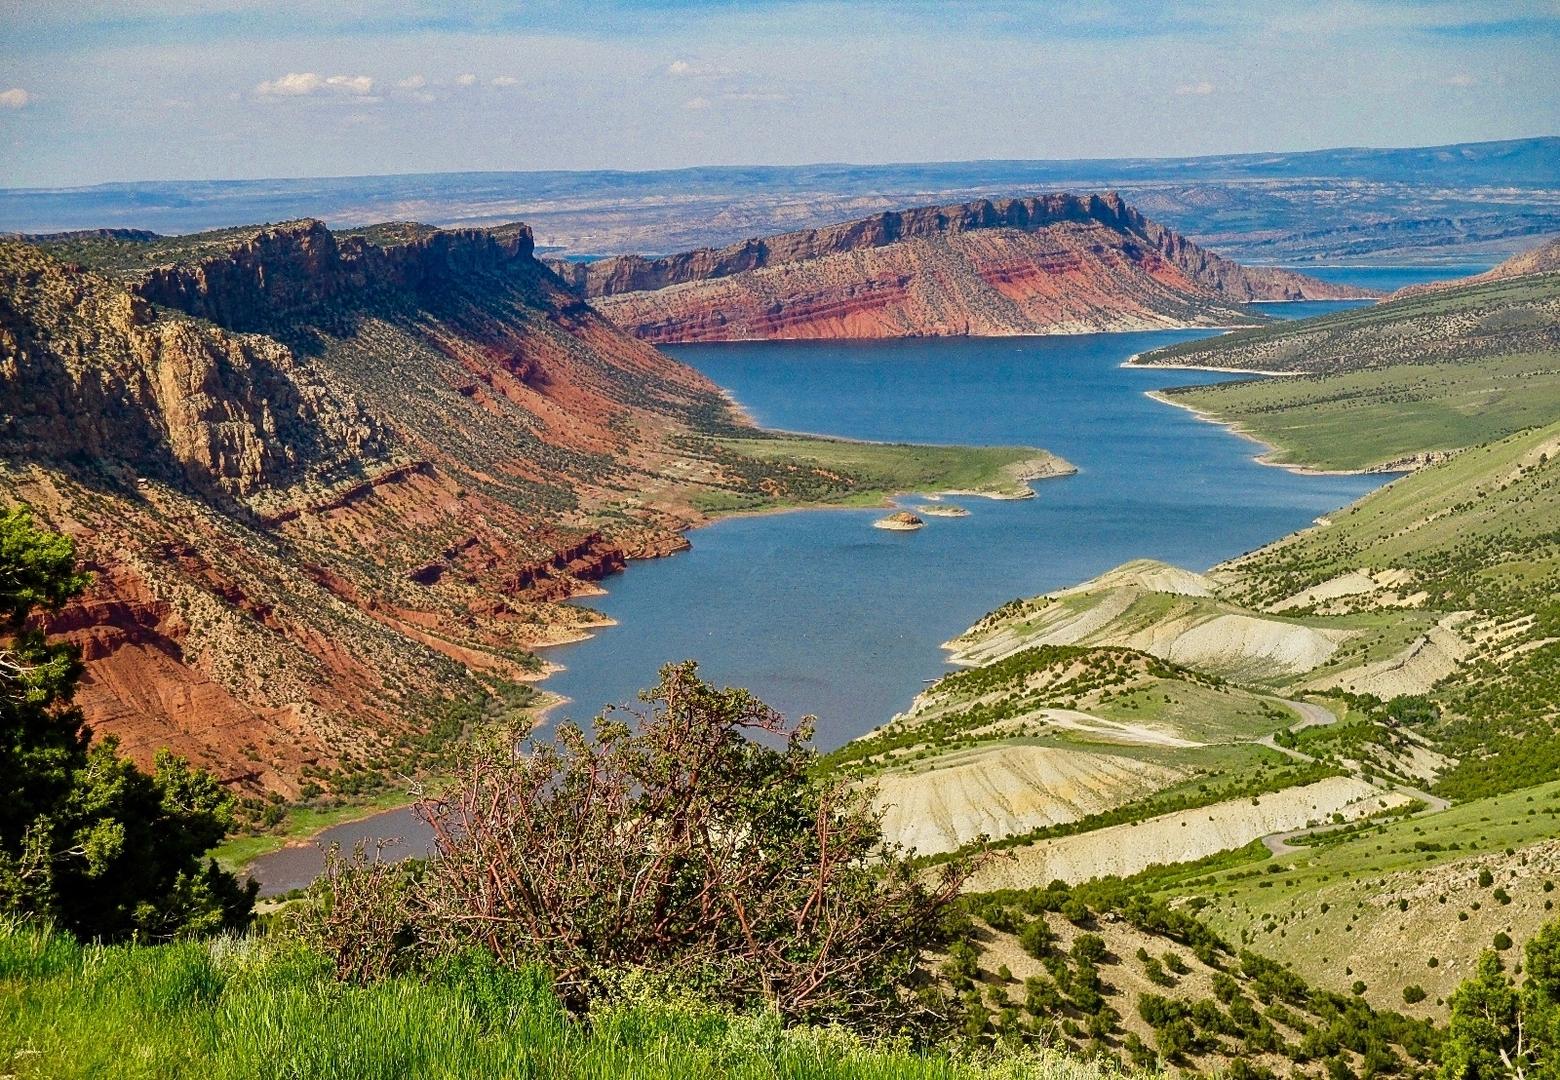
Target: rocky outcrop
[98, 373]
[325, 482]
[902, 521]
[1050, 264]
[279, 273]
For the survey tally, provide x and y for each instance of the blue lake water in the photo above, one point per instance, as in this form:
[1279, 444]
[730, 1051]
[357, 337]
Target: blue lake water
[817, 612]
[1391, 278]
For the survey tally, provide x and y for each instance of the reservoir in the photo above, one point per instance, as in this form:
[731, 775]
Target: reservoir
[818, 613]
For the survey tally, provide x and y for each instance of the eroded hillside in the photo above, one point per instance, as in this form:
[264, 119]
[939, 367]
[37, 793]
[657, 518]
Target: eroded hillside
[1368, 706]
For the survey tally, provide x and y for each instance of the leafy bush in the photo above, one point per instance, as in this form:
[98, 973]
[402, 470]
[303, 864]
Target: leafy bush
[1037, 937]
[673, 843]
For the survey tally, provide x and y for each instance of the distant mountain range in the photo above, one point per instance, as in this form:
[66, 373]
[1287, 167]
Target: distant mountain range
[1050, 264]
[1446, 203]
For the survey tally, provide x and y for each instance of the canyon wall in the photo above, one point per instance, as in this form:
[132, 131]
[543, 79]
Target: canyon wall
[327, 485]
[1055, 263]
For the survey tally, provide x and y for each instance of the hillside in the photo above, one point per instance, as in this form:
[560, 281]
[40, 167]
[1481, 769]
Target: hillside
[1369, 705]
[333, 486]
[1543, 259]
[1390, 386]
[1050, 264]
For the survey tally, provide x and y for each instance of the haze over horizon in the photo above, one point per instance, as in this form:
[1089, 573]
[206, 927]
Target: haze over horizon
[103, 91]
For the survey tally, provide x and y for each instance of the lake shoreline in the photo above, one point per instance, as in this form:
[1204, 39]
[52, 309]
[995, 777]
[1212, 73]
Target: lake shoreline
[1385, 469]
[1058, 392]
[1023, 474]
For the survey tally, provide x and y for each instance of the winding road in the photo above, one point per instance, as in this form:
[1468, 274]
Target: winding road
[1313, 715]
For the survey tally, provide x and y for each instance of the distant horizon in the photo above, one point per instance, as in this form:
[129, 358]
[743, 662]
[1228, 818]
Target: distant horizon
[104, 91]
[755, 165]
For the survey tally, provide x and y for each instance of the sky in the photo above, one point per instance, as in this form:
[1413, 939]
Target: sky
[103, 90]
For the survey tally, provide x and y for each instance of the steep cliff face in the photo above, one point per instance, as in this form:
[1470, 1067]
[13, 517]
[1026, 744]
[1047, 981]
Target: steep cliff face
[97, 373]
[325, 482]
[1050, 264]
[279, 274]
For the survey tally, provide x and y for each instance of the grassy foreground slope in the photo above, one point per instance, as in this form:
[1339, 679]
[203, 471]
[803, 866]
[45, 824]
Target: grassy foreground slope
[1396, 903]
[258, 1007]
[1389, 385]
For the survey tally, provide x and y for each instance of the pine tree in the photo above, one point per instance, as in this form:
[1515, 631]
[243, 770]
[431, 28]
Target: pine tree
[88, 841]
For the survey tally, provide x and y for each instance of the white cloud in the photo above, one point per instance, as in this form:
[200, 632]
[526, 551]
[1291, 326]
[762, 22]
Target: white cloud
[697, 103]
[1197, 89]
[682, 69]
[302, 83]
[351, 84]
[467, 79]
[1462, 79]
[293, 84]
[14, 98]
[506, 80]
[412, 82]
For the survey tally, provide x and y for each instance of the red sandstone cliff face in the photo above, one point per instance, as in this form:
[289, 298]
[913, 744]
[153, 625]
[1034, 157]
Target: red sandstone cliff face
[1050, 264]
[323, 482]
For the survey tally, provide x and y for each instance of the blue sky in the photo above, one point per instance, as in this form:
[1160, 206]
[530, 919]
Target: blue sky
[95, 90]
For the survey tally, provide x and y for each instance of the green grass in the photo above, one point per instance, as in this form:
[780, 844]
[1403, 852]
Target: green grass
[1441, 371]
[1380, 900]
[301, 823]
[1466, 324]
[1004, 702]
[1480, 533]
[1365, 419]
[266, 1008]
[1471, 828]
[790, 471]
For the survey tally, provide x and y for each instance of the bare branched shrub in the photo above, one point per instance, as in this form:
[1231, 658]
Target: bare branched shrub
[363, 915]
[694, 840]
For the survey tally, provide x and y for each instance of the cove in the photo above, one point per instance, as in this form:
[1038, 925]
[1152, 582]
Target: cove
[818, 613]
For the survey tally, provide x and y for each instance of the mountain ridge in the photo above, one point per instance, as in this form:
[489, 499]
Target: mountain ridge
[1055, 263]
[1542, 259]
[326, 485]
[1462, 202]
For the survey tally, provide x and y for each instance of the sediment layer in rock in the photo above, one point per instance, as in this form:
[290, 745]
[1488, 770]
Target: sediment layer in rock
[1050, 264]
[326, 483]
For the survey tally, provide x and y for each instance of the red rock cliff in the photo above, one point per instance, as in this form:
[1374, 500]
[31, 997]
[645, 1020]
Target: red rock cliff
[324, 482]
[1055, 263]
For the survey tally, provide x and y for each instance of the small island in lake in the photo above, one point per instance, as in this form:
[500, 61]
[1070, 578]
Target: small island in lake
[903, 521]
[947, 510]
